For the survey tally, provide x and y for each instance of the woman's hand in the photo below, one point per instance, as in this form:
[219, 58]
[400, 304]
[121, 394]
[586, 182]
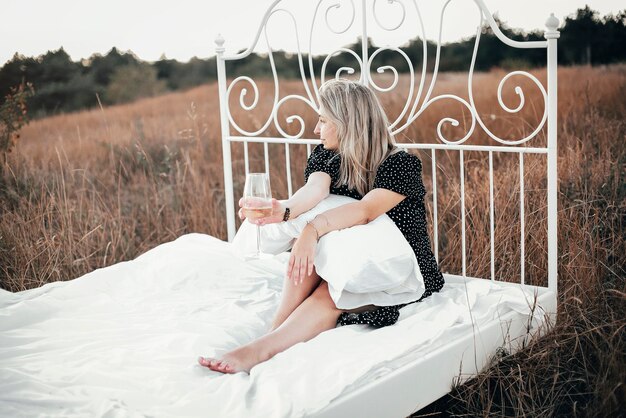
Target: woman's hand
[302, 256]
[278, 212]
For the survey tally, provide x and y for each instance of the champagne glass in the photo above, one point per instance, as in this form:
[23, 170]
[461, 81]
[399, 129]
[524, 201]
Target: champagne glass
[257, 203]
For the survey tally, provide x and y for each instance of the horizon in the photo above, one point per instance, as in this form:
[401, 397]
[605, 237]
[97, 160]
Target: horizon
[130, 38]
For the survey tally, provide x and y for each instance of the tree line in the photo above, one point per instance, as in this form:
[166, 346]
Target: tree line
[61, 85]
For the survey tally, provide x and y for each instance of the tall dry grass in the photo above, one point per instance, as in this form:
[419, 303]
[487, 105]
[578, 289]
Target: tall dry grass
[89, 189]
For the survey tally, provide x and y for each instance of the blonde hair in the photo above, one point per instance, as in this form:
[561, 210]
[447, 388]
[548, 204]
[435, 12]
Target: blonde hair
[362, 130]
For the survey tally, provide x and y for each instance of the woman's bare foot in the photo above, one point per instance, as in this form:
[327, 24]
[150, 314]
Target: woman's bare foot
[243, 359]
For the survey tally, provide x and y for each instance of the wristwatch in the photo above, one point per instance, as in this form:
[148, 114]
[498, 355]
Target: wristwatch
[286, 215]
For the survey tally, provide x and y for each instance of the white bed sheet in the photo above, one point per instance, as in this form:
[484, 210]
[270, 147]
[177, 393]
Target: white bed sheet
[123, 340]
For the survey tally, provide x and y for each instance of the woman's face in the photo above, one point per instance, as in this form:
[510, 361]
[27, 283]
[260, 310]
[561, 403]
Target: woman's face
[327, 132]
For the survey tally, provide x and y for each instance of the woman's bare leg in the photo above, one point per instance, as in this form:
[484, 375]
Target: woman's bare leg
[315, 314]
[293, 296]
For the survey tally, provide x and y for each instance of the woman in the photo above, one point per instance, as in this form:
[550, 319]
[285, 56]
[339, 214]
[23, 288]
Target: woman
[357, 158]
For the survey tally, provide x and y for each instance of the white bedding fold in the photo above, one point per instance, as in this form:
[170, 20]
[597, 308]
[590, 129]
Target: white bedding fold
[123, 340]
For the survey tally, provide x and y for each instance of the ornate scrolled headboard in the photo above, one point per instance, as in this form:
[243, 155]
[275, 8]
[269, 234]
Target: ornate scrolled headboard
[420, 95]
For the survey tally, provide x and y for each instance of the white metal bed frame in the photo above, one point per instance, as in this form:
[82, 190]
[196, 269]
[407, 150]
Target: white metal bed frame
[405, 390]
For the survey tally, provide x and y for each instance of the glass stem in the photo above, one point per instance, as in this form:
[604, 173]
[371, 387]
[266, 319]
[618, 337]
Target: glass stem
[258, 240]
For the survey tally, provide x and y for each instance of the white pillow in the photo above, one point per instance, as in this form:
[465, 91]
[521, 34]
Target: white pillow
[279, 237]
[373, 259]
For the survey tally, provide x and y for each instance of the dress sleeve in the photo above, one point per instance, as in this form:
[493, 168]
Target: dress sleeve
[401, 173]
[322, 160]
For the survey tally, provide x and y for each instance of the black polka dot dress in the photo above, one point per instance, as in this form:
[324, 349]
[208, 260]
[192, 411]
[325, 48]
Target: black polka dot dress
[402, 173]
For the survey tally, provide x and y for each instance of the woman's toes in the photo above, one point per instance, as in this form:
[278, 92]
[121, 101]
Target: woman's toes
[225, 367]
[206, 362]
[220, 365]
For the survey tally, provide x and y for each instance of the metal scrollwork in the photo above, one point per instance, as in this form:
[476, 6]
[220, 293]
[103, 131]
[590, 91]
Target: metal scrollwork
[518, 90]
[349, 70]
[333, 7]
[382, 69]
[391, 2]
[292, 118]
[415, 104]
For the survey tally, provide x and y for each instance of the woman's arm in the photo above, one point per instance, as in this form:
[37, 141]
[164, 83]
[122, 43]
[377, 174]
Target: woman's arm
[373, 204]
[314, 191]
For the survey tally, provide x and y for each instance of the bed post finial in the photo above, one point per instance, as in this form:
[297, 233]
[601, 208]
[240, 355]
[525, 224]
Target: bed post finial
[219, 41]
[552, 24]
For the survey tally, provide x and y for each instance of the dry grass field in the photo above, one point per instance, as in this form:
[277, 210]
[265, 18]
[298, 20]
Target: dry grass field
[89, 189]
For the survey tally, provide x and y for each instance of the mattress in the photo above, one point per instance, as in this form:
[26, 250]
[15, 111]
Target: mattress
[123, 340]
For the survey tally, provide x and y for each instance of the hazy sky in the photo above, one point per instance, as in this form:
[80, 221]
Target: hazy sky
[184, 28]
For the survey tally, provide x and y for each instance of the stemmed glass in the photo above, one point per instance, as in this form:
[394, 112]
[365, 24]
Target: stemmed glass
[257, 203]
